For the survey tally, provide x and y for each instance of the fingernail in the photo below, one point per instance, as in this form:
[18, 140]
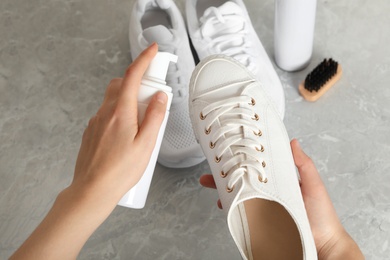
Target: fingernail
[161, 97]
[298, 144]
[152, 45]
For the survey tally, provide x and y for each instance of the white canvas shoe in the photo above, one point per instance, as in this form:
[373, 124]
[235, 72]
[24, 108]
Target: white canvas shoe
[248, 150]
[160, 21]
[224, 27]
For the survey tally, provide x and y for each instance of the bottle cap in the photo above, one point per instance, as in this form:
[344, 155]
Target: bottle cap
[158, 67]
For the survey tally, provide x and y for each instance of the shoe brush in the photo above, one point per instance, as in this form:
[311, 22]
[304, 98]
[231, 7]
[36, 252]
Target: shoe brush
[320, 79]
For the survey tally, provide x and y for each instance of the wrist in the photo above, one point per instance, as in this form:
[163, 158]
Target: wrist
[97, 192]
[89, 198]
[340, 246]
[75, 215]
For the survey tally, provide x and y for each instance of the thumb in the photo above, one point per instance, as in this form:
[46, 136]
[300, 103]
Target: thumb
[154, 117]
[310, 178]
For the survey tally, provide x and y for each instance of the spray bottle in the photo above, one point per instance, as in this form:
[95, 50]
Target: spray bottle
[152, 82]
[294, 33]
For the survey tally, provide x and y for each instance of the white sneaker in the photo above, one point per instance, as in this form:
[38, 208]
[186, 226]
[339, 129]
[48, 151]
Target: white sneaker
[224, 27]
[247, 147]
[160, 21]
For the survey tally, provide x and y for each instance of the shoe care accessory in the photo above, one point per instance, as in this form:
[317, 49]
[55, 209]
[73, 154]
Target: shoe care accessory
[152, 82]
[293, 33]
[160, 21]
[320, 80]
[249, 153]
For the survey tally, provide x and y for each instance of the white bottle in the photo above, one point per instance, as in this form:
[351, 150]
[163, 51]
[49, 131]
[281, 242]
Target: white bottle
[152, 82]
[294, 33]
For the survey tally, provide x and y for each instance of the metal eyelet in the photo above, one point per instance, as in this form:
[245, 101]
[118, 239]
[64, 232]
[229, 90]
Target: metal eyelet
[202, 117]
[263, 164]
[256, 117]
[217, 159]
[207, 131]
[258, 133]
[253, 102]
[212, 145]
[223, 175]
[265, 180]
[261, 149]
[229, 189]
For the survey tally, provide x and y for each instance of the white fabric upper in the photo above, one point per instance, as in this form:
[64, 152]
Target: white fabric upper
[179, 147]
[227, 29]
[227, 124]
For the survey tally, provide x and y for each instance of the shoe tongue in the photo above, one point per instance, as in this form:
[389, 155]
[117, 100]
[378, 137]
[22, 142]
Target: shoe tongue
[159, 34]
[225, 9]
[223, 24]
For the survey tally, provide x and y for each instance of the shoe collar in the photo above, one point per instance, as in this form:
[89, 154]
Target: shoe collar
[163, 4]
[167, 5]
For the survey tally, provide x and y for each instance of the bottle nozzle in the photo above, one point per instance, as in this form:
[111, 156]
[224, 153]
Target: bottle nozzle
[158, 67]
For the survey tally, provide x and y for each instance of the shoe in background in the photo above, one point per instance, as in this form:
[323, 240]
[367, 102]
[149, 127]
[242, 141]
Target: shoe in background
[224, 27]
[160, 21]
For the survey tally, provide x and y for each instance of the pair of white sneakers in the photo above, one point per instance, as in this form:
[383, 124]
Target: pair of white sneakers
[235, 103]
[215, 27]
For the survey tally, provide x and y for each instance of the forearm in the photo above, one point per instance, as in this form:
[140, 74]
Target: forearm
[343, 248]
[68, 225]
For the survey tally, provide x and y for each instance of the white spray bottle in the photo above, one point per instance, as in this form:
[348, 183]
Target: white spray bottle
[152, 82]
[294, 33]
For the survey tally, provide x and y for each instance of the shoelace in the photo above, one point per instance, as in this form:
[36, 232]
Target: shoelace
[236, 116]
[234, 44]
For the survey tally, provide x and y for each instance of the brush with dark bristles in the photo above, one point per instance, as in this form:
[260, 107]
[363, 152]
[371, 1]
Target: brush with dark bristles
[322, 78]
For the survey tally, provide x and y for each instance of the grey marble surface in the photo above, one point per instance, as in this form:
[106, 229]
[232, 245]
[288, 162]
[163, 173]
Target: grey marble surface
[56, 58]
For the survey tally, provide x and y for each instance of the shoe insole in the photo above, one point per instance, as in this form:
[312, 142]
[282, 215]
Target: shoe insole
[153, 17]
[202, 5]
[273, 233]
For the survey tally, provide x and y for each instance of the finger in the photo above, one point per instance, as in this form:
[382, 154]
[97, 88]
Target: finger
[310, 178]
[154, 117]
[207, 180]
[113, 89]
[111, 96]
[87, 131]
[132, 79]
[318, 204]
[219, 204]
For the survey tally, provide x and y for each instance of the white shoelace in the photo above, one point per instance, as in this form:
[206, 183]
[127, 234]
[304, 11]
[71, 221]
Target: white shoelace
[229, 40]
[236, 115]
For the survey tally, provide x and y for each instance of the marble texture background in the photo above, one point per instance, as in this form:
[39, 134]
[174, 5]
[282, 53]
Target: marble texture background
[56, 58]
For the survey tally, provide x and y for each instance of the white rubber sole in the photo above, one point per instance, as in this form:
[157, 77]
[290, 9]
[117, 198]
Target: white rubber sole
[186, 163]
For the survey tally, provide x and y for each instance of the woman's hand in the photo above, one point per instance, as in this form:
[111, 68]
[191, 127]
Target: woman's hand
[114, 153]
[330, 237]
[115, 150]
